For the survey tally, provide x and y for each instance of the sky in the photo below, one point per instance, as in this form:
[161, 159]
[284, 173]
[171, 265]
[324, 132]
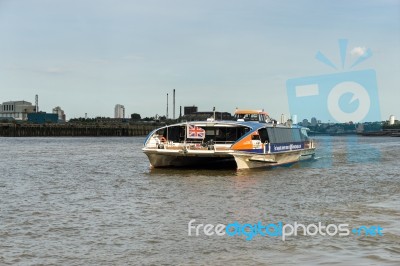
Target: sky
[89, 55]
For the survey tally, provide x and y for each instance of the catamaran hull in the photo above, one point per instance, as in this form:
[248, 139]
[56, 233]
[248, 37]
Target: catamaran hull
[251, 160]
[159, 159]
[307, 154]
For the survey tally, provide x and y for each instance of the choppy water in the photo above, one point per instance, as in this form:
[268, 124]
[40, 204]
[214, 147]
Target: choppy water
[94, 201]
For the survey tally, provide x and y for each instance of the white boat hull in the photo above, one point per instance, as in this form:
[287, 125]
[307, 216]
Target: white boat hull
[245, 160]
[181, 158]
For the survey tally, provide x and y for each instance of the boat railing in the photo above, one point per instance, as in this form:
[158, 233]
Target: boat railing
[193, 145]
[224, 142]
[309, 144]
[203, 142]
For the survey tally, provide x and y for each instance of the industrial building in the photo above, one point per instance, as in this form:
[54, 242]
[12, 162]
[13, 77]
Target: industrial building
[188, 110]
[203, 116]
[17, 110]
[42, 117]
[119, 111]
[60, 113]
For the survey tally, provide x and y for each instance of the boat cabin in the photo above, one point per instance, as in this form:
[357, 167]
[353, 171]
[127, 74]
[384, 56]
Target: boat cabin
[252, 115]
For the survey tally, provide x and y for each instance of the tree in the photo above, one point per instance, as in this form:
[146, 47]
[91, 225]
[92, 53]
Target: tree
[135, 116]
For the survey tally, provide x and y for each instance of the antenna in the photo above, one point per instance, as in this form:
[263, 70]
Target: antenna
[167, 106]
[37, 103]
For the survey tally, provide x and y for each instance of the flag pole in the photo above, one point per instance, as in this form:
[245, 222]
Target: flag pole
[214, 112]
[186, 132]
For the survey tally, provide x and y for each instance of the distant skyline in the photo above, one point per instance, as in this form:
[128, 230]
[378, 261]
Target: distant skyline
[87, 56]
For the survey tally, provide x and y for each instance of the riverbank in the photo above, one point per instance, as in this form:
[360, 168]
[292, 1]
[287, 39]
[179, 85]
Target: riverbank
[74, 130]
[382, 133]
[385, 132]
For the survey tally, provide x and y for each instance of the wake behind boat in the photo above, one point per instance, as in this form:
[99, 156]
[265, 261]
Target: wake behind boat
[253, 140]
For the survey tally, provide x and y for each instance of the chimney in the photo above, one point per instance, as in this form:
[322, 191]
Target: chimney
[173, 105]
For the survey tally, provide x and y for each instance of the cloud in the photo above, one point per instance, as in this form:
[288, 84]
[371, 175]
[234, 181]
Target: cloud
[51, 70]
[358, 51]
[133, 57]
[100, 61]
[54, 70]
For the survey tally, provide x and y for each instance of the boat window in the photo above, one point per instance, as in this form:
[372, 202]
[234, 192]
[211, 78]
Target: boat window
[263, 135]
[248, 117]
[304, 135]
[284, 135]
[251, 117]
[174, 133]
[224, 134]
[239, 116]
[212, 132]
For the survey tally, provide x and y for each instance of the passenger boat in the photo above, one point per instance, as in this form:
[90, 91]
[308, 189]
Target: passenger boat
[252, 140]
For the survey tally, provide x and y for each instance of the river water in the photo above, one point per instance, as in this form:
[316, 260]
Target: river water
[95, 201]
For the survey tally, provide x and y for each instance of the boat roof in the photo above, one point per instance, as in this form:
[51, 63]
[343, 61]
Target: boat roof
[248, 111]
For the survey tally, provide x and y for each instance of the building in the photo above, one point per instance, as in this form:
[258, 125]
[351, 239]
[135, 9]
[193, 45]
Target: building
[119, 111]
[283, 119]
[188, 110]
[360, 128]
[18, 110]
[294, 119]
[391, 120]
[60, 112]
[314, 121]
[305, 123]
[42, 117]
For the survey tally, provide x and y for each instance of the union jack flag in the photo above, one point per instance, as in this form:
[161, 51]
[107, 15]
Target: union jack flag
[194, 132]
